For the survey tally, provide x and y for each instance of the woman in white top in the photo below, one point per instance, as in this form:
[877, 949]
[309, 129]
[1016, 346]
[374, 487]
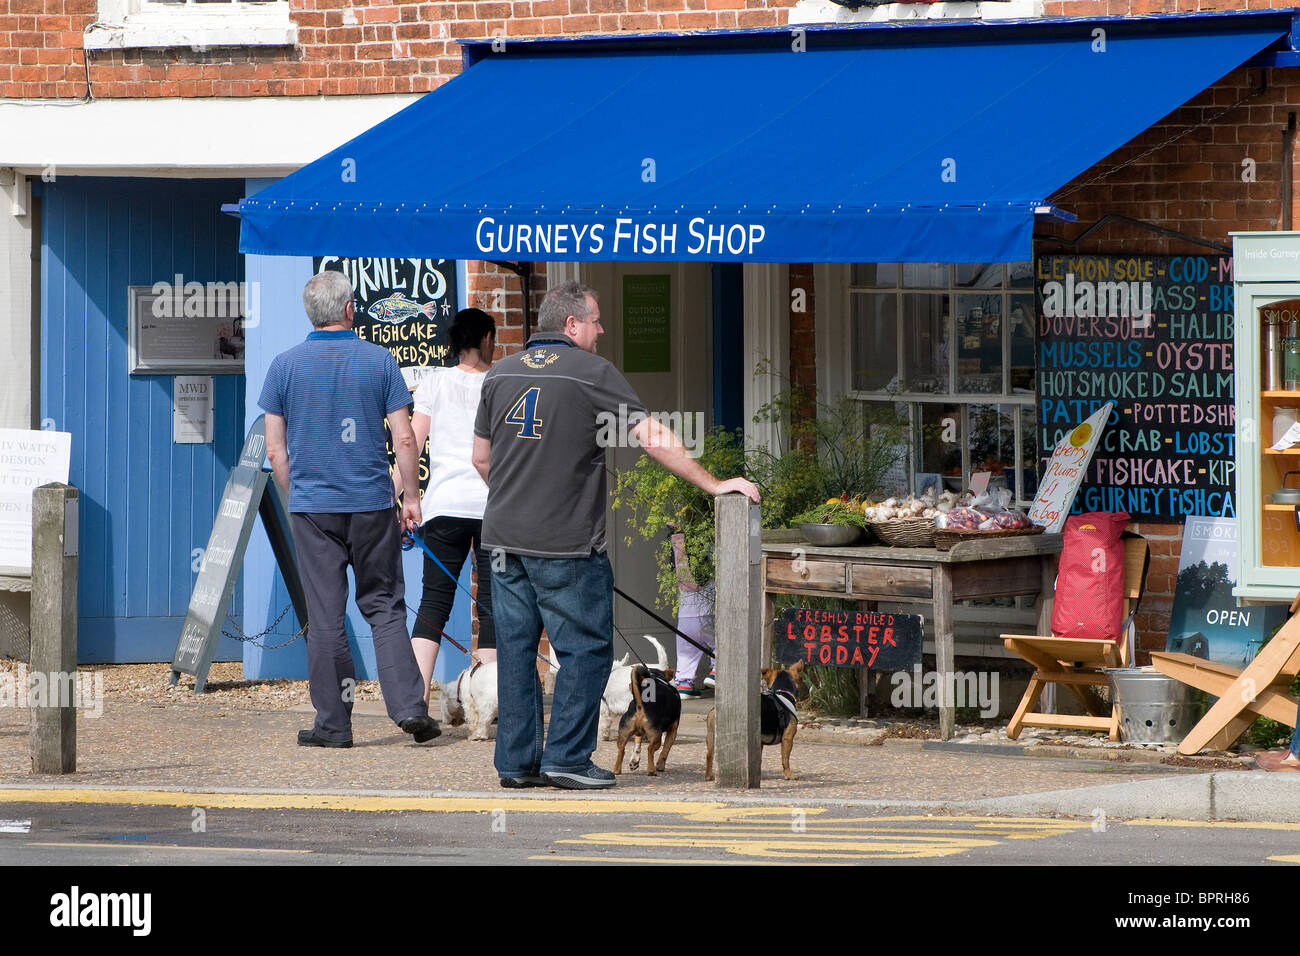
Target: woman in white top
[445, 406]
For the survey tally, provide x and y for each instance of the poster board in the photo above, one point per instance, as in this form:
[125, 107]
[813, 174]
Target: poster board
[1155, 335]
[405, 305]
[1066, 470]
[250, 491]
[873, 639]
[28, 459]
[1206, 621]
[647, 323]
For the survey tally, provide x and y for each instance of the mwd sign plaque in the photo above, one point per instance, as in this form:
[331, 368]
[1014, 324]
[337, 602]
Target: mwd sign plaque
[250, 491]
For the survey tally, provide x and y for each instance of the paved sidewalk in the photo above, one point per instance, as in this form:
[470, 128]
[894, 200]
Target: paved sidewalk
[218, 742]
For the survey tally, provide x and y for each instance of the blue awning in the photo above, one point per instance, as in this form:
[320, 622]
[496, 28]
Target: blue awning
[890, 145]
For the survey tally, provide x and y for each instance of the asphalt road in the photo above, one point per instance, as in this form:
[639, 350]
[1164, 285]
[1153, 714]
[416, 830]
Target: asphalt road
[227, 829]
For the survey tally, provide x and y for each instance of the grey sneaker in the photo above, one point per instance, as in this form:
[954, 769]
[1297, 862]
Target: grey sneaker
[593, 778]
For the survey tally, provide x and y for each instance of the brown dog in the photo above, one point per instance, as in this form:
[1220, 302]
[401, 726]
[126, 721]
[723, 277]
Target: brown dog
[652, 717]
[777, 719]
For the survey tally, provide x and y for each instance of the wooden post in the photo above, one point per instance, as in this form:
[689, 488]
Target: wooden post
[54, 628]
[739, 627]
[944, 662]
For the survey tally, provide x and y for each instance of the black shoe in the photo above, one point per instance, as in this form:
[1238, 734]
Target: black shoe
[520, 783]
[421, 728]
[308, 738]
[593, 778]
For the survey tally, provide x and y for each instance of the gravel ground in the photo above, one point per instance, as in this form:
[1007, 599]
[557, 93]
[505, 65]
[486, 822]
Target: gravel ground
[242, 735]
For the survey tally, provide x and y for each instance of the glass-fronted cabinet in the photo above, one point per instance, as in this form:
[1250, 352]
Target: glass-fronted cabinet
[1266, 273]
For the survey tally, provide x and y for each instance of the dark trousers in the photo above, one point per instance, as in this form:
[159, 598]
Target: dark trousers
[368, 541]
[451, 540]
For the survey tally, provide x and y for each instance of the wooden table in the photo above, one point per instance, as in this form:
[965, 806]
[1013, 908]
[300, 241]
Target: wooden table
[998, 567]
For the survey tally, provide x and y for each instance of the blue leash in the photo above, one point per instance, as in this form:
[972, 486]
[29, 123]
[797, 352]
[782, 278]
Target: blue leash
[410, 540]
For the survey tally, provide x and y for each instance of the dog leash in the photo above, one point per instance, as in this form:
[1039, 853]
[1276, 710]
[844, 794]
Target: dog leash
[641, 607]
[410, 540]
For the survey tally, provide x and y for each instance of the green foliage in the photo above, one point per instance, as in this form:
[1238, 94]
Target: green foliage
[833, 691]
[840, 448]
[1266, 733]
[661, 503]
[837, 448]
[839, 512]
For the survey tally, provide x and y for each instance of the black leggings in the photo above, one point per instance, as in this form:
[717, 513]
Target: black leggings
[451, 539]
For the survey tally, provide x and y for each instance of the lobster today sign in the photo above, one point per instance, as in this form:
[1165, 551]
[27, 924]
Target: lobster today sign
[872, 639]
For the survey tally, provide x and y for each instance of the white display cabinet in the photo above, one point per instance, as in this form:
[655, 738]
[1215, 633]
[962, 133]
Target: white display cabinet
[1266, 274]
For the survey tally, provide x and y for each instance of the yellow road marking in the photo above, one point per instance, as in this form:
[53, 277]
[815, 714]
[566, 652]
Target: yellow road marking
[1219, 824]
[655, 859]
[1293, 858]
[144, 844]
[307, 801]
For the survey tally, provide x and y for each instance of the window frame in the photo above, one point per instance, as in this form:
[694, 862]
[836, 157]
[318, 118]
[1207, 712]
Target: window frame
[965, 401]
[132, 24]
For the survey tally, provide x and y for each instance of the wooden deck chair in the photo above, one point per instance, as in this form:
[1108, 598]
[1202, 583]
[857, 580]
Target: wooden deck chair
[1261, 690]
[1077, 663]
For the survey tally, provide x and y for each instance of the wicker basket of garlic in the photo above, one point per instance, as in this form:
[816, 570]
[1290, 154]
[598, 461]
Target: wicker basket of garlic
[908, 522]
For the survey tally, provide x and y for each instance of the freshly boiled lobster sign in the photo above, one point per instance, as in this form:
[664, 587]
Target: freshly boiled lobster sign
[874, 639]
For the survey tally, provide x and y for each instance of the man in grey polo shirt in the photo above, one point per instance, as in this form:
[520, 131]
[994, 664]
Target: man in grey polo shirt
[535, 444]
[326, 401]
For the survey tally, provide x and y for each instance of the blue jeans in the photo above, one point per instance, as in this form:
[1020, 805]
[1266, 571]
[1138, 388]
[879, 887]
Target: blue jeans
[573, 598]
[1295, 737]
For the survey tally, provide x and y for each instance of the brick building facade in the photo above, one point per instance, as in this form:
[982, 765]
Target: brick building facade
[1216, 165]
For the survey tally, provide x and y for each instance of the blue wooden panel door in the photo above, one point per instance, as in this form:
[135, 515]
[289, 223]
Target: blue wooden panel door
[147, 504]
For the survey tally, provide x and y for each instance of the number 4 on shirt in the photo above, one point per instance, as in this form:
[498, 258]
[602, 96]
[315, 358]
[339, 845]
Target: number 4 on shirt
[524, 414]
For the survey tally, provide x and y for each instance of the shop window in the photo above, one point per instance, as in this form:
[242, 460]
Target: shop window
[951, 346]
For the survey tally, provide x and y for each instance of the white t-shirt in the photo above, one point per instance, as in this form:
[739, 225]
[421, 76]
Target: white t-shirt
[450, 398]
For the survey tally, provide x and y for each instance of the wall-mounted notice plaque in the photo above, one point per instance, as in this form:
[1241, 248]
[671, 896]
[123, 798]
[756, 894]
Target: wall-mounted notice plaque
[176, 327]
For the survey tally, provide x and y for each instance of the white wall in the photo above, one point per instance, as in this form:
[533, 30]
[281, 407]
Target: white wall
[15, 301]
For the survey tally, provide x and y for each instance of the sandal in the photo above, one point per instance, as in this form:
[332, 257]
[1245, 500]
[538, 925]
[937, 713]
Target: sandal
[1276, 760]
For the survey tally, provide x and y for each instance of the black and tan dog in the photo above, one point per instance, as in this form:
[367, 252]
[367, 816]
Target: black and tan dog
[652, 717]
[778, 722]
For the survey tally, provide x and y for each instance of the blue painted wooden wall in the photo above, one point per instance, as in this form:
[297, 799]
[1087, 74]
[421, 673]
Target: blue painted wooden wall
[146, 503]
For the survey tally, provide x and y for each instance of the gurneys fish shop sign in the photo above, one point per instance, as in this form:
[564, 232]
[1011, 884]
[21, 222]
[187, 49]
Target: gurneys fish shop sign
[405, 305]
[890, 642]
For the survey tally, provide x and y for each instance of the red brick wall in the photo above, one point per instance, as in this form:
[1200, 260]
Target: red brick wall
[1193, 185]
[391, 47]
[803, 338]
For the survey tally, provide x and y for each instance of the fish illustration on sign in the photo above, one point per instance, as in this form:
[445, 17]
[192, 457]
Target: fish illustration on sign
[397, 308]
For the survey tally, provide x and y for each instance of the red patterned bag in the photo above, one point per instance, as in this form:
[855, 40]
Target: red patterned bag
[1090, 584]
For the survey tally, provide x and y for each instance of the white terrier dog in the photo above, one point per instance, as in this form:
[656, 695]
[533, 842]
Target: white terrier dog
[618, 690]
[471, 698]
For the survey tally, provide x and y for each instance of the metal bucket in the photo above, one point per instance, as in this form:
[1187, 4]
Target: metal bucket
[1153, 708]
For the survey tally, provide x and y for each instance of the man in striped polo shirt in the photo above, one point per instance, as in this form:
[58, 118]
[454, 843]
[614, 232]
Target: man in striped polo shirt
[326, 401]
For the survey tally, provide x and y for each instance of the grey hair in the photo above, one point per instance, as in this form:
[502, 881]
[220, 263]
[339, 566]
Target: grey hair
[325, 297]
[566, 299]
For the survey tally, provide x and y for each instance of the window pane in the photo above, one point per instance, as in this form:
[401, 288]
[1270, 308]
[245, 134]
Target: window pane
[979, 344]
[939, 442]
[925, 275]
[1020, 275]
[979, 275]
[926, 342]
[885, 464]
[880, 275]
[875, 341]
[1022, 327]
[1028, 453]
[993, 442]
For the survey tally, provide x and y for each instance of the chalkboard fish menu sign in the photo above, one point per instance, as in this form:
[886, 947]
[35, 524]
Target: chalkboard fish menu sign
[1154, 335]
[250, 491]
